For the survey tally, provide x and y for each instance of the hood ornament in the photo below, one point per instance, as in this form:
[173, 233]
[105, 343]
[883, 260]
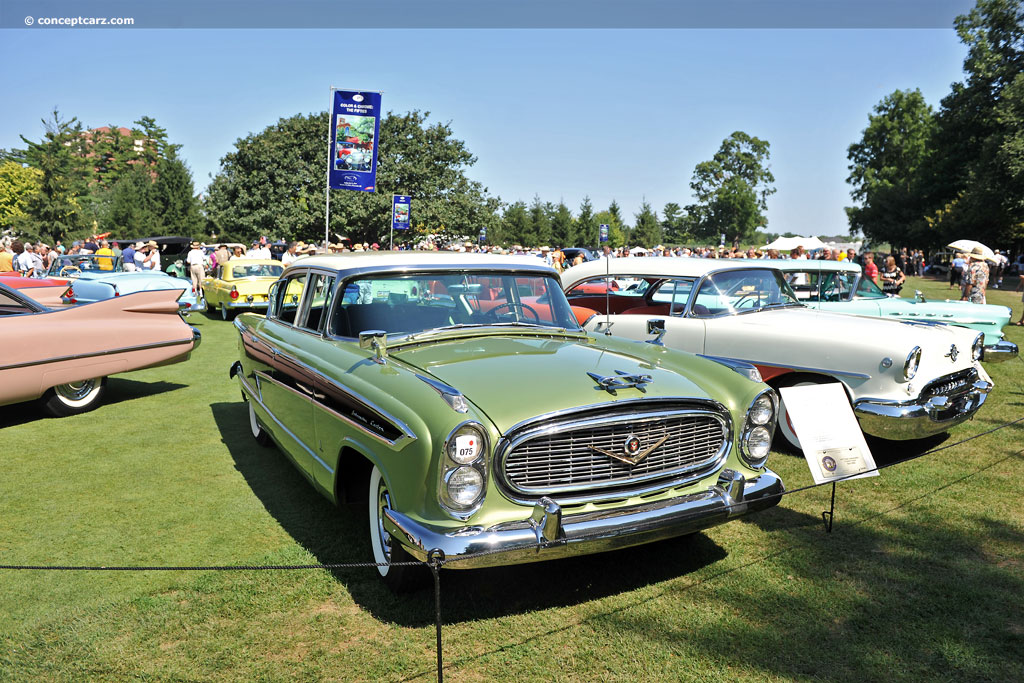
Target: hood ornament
[620, 380]
[953, 353]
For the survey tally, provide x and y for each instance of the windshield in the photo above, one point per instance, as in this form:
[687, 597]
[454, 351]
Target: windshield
[257, 270]
[408, 304]
[739, 291]
[73, 264]
[866, 289]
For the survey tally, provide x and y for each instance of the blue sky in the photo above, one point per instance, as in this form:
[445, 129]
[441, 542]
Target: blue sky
[613, 114]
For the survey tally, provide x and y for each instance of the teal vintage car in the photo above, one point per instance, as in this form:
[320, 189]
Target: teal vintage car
[840, 286]
[457, 396]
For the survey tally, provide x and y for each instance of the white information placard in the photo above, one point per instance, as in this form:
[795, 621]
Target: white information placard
[832, 442]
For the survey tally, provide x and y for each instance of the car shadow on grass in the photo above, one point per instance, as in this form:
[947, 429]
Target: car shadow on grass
[118, 390]
[336, 535]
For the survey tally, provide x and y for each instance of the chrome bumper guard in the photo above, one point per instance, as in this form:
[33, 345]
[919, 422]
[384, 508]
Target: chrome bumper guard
[918, 419]
[241, 303]
[999, 352]
[547, 534]
[198, 307]
[197, 338]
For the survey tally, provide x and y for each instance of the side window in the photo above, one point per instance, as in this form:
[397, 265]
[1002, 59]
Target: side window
[674, 292]
[321, 291]
[273, 300]
[11, 306]
[288, 297]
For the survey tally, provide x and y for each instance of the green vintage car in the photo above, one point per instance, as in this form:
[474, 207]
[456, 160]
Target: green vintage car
[841, 287]
[458, 397]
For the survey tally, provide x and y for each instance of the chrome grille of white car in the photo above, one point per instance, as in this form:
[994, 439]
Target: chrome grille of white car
[950, 385]
[563, 458]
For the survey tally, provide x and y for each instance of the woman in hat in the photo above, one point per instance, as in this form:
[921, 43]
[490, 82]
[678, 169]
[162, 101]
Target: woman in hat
[975, 277]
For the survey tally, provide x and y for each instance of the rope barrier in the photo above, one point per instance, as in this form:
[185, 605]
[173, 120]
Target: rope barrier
[436, 559]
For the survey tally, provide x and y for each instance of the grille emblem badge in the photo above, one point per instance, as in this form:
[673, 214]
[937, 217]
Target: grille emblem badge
[953, 353]
[633, 448]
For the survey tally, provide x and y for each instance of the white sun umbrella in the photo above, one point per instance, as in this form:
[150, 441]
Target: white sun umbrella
[968, 246]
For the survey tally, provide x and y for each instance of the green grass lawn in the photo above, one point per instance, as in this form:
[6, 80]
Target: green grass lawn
[921, 579]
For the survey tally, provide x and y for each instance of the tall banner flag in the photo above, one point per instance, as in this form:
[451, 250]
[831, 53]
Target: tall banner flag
[604, 232]
[355, 132]
[400, 211]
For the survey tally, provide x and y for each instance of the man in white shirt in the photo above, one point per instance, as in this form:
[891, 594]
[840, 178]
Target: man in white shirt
[290, 255]
[196, 261]
[23, 262]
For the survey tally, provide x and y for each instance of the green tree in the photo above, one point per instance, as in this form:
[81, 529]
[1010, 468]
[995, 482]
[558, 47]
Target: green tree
[732, 189]
[974, 172]
[540, 224]
[886, 168]
[673, 224]
[273, 183]
[174, 197]
[647, 231]
[586, 227]
[515, 223]
[563, 231]
[55, 211]
[17, 185]
[129, 209]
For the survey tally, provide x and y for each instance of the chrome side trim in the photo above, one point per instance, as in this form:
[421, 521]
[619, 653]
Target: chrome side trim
[358, 398]
[99, 354]
[548, 533]
[252, 397]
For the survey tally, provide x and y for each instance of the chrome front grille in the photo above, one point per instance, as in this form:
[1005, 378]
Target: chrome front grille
[565, 459]
[951, 385]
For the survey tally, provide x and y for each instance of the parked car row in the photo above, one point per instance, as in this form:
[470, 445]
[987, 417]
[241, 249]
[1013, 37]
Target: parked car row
[477, 403]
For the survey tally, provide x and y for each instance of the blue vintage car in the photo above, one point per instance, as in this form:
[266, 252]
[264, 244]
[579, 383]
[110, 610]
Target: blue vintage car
[840, 286]
[98, 277]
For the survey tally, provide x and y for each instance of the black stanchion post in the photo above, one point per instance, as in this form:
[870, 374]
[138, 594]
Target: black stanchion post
[827, 515]
[435, 558]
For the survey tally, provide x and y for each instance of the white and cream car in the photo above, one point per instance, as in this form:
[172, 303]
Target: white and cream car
[905, 380]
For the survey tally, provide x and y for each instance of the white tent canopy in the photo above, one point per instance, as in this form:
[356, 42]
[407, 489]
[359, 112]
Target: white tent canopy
[788, 243]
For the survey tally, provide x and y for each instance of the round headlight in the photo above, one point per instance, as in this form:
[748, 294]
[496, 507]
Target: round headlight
[762, 411]
[466, 445]
[465, 484]
[758, 443]
[910, 366]
[978, 348]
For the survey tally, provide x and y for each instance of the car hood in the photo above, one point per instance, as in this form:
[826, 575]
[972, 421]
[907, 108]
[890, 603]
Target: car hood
[959, 312]
[513, 379]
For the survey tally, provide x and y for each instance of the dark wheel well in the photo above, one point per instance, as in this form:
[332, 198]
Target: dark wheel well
[352, 475]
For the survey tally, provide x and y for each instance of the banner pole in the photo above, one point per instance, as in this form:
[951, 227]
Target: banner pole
[327, 191]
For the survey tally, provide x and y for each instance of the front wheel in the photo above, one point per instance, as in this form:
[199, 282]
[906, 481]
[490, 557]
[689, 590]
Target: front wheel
[75, 397]
[399, 579]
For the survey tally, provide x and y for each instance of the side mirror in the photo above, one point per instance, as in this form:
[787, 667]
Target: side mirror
[656, 326]
[919, 296]
[376, 340]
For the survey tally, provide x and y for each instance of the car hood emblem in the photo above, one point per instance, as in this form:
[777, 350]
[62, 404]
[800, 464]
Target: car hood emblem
[953, 353]
[633, 450]
[621, 380]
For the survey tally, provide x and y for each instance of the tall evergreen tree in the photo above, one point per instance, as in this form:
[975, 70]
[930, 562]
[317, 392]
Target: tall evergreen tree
[586, 227]
[540, 224]
[174, 198]
[55, 212]
[516, 223]
[563, 232]
[647, 232]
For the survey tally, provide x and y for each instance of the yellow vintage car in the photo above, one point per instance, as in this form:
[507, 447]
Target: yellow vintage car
[241, 285]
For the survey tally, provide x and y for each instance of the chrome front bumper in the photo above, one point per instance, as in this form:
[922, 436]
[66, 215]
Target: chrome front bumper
[242, 303]
[998, 352]
[548, 534]
[920, 418]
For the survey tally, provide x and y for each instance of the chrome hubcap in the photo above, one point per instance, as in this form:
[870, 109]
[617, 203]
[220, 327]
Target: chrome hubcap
[383, 503]
[75, 391]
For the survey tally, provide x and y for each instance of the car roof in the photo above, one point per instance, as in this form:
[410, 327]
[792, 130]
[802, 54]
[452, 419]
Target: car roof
[812, 264]
[658, 266]
[419, 260]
